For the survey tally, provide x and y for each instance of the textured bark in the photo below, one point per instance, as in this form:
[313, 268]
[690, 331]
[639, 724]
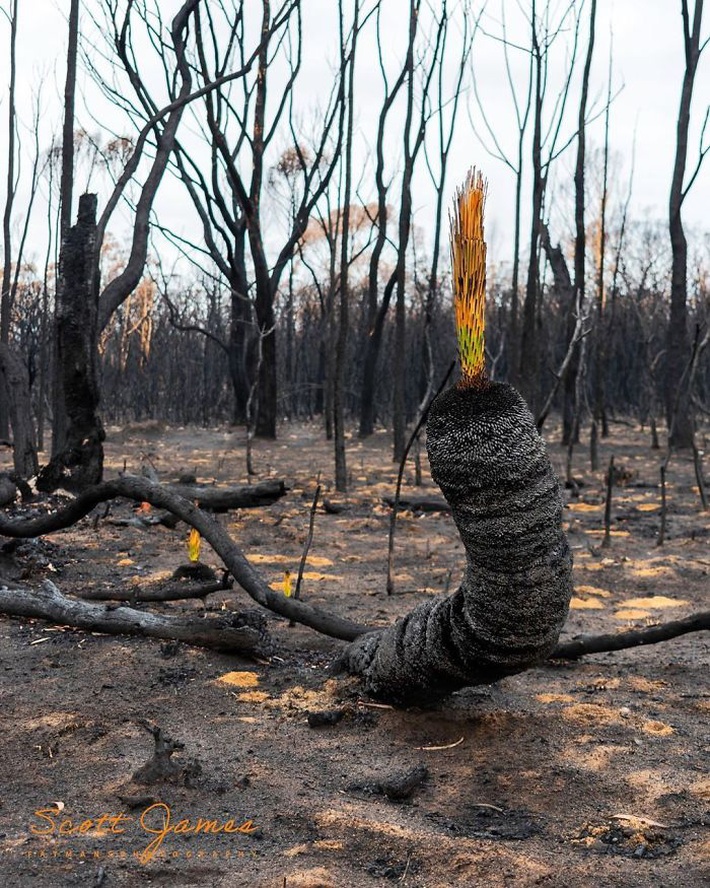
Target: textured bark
[243, 633]
[19, 403]
[77, 461]
[222, 499]
[492, 467]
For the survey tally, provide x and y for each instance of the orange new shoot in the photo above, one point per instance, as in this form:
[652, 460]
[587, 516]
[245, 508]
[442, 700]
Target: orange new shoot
[194, 541]
[468, 267]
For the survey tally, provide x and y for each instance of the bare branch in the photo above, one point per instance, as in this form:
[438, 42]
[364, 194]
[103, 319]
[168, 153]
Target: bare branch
[142, 490]
[618, 641]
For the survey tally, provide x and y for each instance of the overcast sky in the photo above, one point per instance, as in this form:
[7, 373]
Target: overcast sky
[648, 69]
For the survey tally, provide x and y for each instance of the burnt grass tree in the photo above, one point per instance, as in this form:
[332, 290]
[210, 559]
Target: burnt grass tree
[491, 464]
[233, 634]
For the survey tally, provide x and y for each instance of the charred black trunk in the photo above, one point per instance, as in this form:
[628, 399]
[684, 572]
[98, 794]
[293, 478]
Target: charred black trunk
[240, 333]
[78, 459]
[491, 464]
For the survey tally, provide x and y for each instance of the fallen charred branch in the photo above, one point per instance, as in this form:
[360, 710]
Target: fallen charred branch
[222, 499]
[235, 633]
[171, 591]
[142, 490]
[419, 503]
[597, 644]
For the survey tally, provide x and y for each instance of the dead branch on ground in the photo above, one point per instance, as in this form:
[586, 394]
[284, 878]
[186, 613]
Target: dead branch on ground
[419, 503]
[49, 604]
[177, 591]
[222, 499]
[230, 633]
[142, 490]
[598, 644]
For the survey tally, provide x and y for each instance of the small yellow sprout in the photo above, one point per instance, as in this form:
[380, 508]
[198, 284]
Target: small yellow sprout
[287, 583]
[468, 266]
[194, 541]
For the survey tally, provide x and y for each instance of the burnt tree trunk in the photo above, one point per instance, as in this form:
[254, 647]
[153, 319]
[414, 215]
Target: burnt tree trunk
[572, 411]
[240, 327]
[19, 405]
[78, 459]
[677, 393]
[528, 375]
[370, 373]
[566, 294]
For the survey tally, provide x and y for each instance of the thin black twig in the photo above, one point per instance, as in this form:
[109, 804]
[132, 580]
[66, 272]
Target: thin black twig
[309, 540]
[662, 528]
[307, 546]
[606, 542]
[402, 463]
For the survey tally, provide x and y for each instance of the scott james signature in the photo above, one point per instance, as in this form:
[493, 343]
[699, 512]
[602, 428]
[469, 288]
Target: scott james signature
[155, 820]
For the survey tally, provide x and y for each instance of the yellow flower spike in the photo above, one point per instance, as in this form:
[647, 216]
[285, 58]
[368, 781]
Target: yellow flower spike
[468, 267]
[287, 583]
[194, 541]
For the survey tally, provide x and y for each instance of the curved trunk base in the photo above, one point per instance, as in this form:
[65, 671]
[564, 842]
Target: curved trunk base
[491, 464]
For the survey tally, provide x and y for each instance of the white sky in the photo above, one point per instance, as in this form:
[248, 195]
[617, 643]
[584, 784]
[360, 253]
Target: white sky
[648, 63]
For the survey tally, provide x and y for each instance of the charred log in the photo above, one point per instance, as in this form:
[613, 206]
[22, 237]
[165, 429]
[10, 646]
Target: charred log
[247, 496]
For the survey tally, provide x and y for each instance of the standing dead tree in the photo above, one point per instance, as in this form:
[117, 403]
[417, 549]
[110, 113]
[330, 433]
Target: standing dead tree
[77, 458]
[341, 474]
[413, 139]
[545, 148]
[416, 78]
[5, 290]
[522, 104]
[78, 461]
[436, 157]
[677, 396]
[238, 125]
[69, 464]
[15, 405]
[60, 419]
[571, 408]
[377, 308]
[600, 419]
